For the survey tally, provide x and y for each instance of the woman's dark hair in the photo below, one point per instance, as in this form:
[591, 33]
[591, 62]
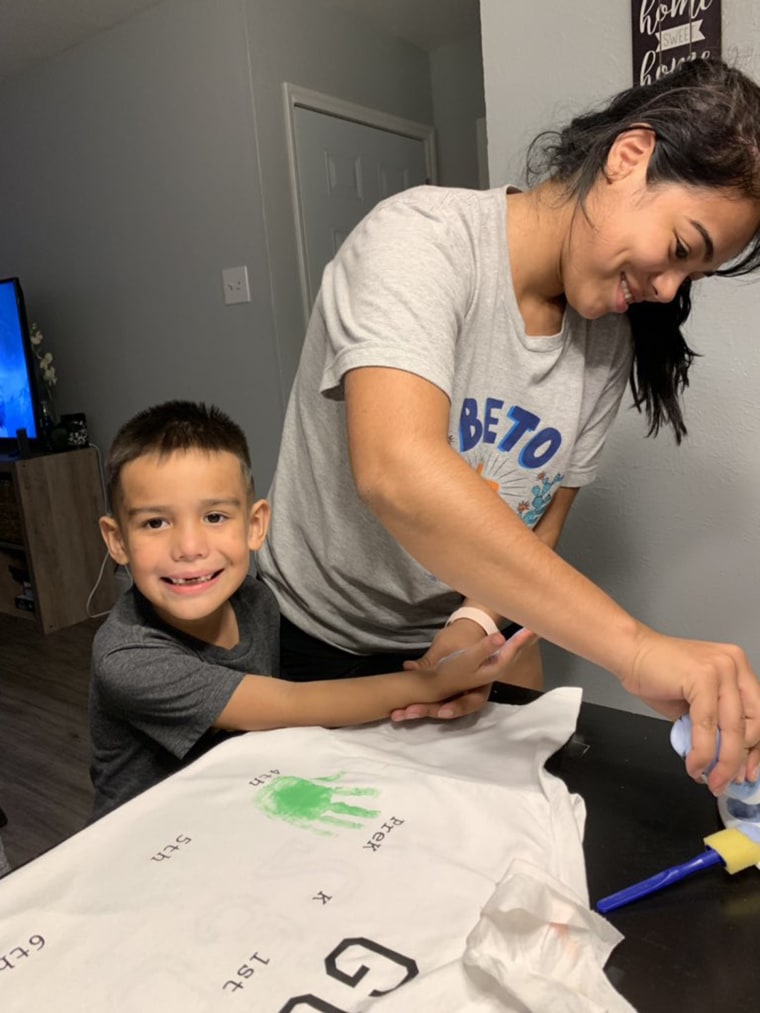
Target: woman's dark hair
[706, 120]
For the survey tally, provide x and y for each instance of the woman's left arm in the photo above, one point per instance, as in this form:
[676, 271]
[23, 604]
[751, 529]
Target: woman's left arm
[525, 670]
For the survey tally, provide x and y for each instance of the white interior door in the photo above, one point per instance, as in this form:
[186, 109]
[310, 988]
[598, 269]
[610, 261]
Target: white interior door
[342, 168]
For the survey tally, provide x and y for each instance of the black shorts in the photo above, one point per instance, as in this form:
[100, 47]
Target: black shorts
[304, 658]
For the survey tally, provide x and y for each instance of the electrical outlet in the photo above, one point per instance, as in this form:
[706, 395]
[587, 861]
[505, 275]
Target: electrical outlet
[235, 284]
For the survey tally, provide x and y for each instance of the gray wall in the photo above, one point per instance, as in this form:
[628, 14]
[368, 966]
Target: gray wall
[326, 50]
[129, 177]
[670, 532]
[135, 167]
[456, 72]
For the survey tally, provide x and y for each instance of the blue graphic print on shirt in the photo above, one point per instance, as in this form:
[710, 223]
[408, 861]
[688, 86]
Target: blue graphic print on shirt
[542, 496]
[515, 432]
[534, 450]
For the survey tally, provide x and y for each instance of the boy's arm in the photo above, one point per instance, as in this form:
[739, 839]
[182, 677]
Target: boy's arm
[260, 702]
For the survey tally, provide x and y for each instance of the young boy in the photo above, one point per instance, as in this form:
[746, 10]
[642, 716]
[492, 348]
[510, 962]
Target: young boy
[187, 654]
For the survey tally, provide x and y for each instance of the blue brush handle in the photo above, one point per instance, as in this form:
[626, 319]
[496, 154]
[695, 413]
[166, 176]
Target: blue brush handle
[659, 881]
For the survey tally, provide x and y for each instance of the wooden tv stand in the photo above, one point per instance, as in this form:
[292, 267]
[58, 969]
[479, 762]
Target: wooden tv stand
[50, 546]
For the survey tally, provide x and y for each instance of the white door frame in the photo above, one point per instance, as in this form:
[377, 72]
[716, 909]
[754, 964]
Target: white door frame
[294, 95]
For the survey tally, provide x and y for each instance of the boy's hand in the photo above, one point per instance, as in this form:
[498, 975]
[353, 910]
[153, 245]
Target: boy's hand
[463, 633]
[463, 673]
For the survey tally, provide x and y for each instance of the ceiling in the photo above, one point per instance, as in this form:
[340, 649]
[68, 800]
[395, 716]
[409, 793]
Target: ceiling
[427, 23]
[34, 30]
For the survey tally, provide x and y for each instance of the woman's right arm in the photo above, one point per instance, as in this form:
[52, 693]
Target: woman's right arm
[526, 670]
[448, 518]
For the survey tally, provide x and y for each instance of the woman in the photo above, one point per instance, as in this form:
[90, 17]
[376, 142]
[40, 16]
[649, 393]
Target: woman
[466, 356]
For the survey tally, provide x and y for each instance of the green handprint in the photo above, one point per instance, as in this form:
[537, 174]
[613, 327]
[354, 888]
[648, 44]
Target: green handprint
[311, 804]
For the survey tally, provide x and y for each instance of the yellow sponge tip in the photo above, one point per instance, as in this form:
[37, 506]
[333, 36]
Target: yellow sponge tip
[736, 849]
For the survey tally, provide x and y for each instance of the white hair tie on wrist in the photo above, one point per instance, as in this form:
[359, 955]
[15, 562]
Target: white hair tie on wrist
[478, 616]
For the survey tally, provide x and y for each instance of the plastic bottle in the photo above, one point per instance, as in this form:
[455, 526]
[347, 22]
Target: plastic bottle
[739, 803]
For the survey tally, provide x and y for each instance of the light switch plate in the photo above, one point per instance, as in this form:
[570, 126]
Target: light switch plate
[235, 284]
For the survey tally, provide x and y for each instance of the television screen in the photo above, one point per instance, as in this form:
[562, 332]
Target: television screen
[18, 387]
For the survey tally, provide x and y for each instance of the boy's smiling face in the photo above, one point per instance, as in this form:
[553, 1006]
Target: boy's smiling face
[186, 526]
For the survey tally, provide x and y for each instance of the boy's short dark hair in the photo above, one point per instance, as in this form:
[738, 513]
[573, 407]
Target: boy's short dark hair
[169, 427]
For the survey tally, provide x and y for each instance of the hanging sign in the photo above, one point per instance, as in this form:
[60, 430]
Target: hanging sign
[665, 35]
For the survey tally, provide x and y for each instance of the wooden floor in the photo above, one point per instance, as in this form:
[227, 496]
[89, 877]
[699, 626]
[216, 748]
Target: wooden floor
[45, 786]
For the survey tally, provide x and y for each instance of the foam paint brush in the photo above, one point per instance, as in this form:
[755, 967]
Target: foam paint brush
[736, 849]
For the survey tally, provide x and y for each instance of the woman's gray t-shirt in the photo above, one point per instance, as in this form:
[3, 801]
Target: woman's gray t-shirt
[423, 284]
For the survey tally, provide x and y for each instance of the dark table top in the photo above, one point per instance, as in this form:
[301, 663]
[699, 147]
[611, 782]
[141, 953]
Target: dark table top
[693, 947]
